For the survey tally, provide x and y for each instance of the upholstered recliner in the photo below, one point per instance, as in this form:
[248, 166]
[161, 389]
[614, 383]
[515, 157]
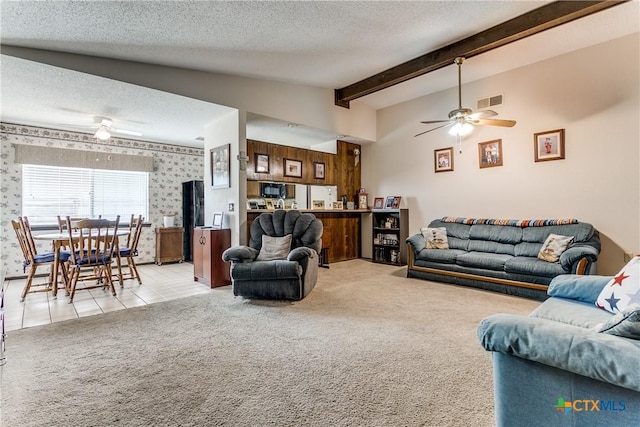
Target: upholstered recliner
[271, 269]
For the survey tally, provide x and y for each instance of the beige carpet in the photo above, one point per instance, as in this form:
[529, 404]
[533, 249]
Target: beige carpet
[367, 347]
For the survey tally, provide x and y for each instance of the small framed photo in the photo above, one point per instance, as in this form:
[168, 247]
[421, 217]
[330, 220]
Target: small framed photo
[338, 205]
[220, 166]
[262, 163]
[490, 153]
[443, 159]
[388, 203]
[293, 168]
[318, 170]
[378, 203]
[217, 219]
[549, 145]
[317, 204]
[396, 202]
[269, 204]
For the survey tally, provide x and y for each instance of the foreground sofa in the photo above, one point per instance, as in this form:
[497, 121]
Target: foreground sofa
[502, 255]
[553, 368]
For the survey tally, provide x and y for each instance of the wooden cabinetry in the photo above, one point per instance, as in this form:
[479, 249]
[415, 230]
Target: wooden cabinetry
[390, 230]
[169, 244]
[208, 267]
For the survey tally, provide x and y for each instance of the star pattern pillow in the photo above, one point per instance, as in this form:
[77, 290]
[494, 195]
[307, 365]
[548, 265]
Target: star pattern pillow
[553, 247]
[623, 290]
[435, 238]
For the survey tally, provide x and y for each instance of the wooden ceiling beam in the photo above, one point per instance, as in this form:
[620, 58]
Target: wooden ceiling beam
[533, 22]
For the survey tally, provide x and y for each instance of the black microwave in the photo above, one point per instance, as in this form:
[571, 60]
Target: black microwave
[272, 190]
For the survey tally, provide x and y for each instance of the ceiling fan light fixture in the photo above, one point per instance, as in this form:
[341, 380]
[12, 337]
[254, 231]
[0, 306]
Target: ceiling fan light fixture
[102, 133]
[461, 129]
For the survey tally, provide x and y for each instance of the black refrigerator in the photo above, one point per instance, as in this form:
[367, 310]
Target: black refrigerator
[192, 213]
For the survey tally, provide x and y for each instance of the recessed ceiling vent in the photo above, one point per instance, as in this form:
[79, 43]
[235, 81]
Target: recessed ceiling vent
[491, 101]
[200, 138]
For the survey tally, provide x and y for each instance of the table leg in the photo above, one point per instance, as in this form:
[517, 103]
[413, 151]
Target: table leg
[56, 260]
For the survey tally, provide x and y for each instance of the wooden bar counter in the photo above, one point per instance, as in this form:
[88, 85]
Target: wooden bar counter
[341, 230]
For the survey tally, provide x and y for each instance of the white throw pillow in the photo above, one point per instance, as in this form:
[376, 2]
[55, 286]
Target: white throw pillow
[623, 290]
[274, 248]
[553, 247]
[435, 238]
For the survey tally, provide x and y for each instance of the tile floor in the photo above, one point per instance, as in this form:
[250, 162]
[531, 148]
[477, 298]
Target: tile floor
[159, 283]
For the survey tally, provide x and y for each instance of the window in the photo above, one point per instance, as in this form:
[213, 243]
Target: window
[49, 191]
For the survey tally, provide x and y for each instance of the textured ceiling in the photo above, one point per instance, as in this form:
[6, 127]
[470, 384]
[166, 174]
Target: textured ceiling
[323, 44]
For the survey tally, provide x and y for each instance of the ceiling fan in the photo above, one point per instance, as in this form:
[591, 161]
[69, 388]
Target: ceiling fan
[104, 128]
[461, 119]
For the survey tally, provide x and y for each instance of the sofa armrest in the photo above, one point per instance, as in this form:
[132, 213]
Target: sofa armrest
[603, 357]
[240, 254]
[417, 242]
[569, 259]
[302, 252]
[577, 287]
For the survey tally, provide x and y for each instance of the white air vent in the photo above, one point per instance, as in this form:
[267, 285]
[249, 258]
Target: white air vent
[200, 138]
[491, 101]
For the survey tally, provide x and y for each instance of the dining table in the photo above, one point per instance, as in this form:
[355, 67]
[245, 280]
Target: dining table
[59, 240]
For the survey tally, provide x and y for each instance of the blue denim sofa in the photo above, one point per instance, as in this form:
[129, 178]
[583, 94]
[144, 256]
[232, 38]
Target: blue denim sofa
[552, 369]
[501, 255]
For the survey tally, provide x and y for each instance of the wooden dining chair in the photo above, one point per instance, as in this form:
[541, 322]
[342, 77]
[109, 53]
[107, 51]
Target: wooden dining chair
[90, 262]
[34, 260]
[129, 251]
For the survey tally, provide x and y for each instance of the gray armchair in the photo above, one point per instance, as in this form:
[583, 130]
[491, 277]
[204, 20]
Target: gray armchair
[277, 271]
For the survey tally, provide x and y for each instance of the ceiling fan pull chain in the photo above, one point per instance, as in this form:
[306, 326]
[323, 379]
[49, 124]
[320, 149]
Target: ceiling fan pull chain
[460, 143]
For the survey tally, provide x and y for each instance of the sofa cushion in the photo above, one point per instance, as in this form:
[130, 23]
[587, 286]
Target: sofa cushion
[573, 286]
[623, 289]
[266, 270]
[445, 256]
[533, 267]
[274, 248]
[500, 234]
[571, 312]
[435, 238]
[553, 246]
[491, 247]
[624, 324]
[483, 260]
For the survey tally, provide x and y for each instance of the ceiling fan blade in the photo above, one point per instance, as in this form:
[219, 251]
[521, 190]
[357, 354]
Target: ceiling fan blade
[495, 122]
[126, 132]
[431, 122]
[482, 114]
[437, 127]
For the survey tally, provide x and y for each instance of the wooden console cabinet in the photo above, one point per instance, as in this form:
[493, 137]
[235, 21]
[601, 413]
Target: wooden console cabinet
[169, 244]
[208, 267]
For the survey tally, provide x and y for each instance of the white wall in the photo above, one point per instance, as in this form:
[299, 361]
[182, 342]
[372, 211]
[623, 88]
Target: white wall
[592, 93]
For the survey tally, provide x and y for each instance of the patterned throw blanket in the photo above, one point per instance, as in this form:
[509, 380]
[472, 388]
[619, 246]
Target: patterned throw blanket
[510, 222]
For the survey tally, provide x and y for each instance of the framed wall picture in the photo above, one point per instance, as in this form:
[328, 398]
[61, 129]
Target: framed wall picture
[293, 168]
[217, 219]
[549, 145]
[388, 203]
[443, 159]
[261, 162]
[378, 203]
[318, 170]
[490, 153]
[220, 166]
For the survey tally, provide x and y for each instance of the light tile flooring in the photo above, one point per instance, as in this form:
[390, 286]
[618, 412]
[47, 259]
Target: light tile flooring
[159, 283]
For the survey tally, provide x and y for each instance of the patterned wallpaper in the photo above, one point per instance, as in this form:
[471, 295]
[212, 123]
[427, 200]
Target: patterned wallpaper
[173, 166]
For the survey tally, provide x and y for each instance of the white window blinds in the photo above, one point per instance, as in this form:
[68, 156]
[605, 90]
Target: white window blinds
[49, 191]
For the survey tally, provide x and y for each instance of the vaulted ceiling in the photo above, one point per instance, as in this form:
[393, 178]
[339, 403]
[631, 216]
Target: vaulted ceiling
[322, 44]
